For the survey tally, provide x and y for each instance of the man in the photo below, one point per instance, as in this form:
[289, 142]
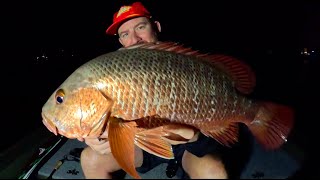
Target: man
[200, 157]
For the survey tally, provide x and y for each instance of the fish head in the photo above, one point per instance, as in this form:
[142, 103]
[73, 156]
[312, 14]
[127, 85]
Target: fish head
[77, 109]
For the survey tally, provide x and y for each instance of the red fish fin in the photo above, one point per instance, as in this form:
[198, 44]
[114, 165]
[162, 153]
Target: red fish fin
[272, 124]
[241, 73]
[121, 137]
[151, 141]
[167, 46]
[225, 135]
[157, 45]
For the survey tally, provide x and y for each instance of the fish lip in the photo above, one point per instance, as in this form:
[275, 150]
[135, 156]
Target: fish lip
[49, 124]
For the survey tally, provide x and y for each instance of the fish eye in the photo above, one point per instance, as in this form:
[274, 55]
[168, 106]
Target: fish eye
[59, 99]
[59, 96]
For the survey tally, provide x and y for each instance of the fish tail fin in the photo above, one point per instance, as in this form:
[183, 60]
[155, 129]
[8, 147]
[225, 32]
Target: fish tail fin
[272, 124]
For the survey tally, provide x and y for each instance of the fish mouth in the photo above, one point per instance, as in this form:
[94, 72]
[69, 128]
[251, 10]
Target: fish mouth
[49, 124]
[95, 131]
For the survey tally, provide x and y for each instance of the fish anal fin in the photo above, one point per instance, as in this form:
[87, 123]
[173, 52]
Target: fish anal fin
[152, 142]
[226, 134]
[121, 138]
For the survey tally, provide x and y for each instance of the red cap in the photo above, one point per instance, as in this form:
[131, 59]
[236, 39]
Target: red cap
[125, 13]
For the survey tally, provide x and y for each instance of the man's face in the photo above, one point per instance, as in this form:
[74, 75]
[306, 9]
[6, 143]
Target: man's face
[137, 30]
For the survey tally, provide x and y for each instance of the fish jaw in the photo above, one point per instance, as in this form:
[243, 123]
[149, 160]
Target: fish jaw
[50, 126]
[56, 130]
[80, 131]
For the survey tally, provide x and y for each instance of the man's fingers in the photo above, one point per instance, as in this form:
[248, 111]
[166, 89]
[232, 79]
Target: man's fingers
[185, 132]
[104, 135]
[105, 151]
[102, 149]
[80, 139]
[95, 142]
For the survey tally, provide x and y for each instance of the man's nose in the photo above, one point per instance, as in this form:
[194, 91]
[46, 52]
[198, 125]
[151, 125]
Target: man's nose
[136, 38]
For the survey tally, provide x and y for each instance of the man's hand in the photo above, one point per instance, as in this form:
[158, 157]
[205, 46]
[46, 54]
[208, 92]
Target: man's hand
[190, 134]
[100, 145]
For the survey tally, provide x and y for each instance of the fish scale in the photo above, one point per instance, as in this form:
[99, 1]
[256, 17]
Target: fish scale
[167, 70]
[195, 111]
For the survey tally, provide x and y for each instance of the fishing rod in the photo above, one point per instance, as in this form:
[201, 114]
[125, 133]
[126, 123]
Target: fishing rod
[33, 165]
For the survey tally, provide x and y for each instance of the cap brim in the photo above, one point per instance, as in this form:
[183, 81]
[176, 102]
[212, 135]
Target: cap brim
[112, 30]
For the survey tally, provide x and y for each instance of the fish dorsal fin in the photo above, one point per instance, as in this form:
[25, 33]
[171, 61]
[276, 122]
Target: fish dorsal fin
[165, 46]
[242, 74]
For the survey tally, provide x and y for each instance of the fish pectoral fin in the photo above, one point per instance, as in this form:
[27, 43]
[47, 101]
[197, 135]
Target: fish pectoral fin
[226, 134]
[152, 142]
[121, 136]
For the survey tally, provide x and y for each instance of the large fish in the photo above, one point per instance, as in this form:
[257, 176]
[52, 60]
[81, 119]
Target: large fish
[140, 92]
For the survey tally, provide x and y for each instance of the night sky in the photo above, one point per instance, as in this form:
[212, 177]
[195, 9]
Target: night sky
[262, 24]
[46, 41]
